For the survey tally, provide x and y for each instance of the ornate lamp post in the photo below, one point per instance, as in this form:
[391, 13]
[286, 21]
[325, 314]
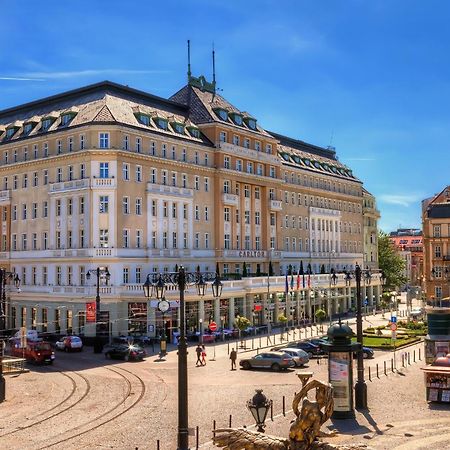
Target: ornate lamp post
[182, 279]
[99, 271]
[259, 406]
[360, 387]
[4, 276]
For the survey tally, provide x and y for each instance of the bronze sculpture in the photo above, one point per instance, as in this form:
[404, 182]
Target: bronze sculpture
[304, 432]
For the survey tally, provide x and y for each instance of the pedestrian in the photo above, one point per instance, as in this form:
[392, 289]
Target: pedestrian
[203, 356]
[198, 350]
[233, 357]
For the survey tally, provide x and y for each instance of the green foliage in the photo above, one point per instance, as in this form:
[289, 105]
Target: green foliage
[320, 314]
[242, 323]
[391, 264]
[282, 318]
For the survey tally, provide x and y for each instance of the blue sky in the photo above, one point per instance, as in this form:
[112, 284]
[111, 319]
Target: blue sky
[371, 78]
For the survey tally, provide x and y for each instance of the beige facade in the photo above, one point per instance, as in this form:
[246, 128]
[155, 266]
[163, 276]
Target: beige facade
[112, 177]
[436, 245]
[371, 216]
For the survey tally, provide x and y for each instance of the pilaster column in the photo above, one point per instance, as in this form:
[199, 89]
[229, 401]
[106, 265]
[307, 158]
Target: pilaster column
[217, 311]
[231, 312]
[201, 313]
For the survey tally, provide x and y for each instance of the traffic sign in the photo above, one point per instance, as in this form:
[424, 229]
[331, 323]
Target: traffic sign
[213, 326]
[393, 327]
[394, 319]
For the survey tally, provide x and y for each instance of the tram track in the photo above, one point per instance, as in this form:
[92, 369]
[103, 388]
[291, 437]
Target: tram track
[103, 417]
[65, 409]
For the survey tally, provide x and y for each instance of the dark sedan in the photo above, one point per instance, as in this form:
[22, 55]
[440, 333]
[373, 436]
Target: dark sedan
[310, 349]
[367, 351]
[127, 352]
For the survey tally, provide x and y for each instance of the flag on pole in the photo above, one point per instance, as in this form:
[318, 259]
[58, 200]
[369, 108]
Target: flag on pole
[298, 280]
[292, 280]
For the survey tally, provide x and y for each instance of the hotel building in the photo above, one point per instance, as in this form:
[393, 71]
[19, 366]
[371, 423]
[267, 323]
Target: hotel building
[108, 176]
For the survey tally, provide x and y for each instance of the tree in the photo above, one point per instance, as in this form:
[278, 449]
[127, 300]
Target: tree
[282, 319]
[241, 323]
[320, 315]
[390, 262]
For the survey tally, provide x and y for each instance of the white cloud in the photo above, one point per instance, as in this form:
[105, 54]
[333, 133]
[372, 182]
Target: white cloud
[401, 200]
[43, 76]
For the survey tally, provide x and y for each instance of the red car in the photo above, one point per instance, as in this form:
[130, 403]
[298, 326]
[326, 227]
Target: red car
[38, 352]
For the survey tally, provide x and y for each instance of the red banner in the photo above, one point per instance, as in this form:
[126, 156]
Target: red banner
[90, 312]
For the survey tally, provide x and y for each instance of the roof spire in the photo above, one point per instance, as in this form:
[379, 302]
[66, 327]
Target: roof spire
[189, 59]
[214, 71]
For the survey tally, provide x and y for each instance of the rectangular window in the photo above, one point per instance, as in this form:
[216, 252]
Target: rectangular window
[257, 243]
[206, 184]
[138, 145]
[226, 242]
[184, 180]
[153, 176]
[185, 240]
[206, 214]
[247, 143]
[226, 162]
[164, 177]
[154, 238]
[138, 238]
[165, 239]
[126, 238]
[154, 208]
[24, 212]
[82, 142]
[223, 136]
[34, 241]
[436, 231]
[197, 240]
[103, 204]
[257, 218]
[226, 214]
[206, 240]
[126, 275]
[126, 171]
[69, 239]
[104, 237]
[174, 239]
[103, 140]
[24, 241]
[81, 205]
[45, 240]
[58, 239]
[25, 181]
[58, 207]
[174, 178]
[138, 206]
[70, 144]
[82, 171]
[69, 206]
[125, 205]
[104, 170]
[139, 173]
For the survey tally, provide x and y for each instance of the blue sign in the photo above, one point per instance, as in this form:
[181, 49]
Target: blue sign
[393, 319]
[366, 302]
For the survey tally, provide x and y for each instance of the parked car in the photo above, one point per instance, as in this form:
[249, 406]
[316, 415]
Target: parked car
[69, 343]
[38, 351]
[270, 360]
[300, 357]
[368, 353]
[127, 352]
[310, 349]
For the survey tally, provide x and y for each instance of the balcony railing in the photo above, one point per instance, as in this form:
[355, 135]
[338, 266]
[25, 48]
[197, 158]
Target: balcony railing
[5, 196]
[72, 185]
[249, 153]
[170, 190]
[275, 205]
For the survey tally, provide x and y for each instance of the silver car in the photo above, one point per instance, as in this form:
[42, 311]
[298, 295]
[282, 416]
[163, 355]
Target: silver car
[270, 360]
[299, 356]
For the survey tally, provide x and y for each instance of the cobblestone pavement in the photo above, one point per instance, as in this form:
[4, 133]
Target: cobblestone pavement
[86, 402]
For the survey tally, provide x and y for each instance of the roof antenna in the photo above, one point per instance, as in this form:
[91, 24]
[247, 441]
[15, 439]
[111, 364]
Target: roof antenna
[214, 71]
[189, 59]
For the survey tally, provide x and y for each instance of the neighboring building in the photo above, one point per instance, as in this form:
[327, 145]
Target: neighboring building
[436, 244]
[108, 176]
[408, 242]
[370, 226]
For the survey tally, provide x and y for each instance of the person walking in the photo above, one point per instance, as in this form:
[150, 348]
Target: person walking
[233, 357]
[203, 362]
[198, 350]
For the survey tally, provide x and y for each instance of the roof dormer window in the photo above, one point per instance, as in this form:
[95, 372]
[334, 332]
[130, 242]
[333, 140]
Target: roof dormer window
[10, 132]
[143, 119]
[236, 118]
[194, 132]
[46, 124]
[251, 122]
[178, 127]
[66, 118]
[222, 114]
[27, 128]
[161, 123]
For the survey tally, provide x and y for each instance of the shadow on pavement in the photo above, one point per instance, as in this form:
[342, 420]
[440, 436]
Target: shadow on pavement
[348, 426]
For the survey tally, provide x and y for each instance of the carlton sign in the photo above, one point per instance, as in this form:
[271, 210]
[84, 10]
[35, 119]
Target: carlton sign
[252, 254]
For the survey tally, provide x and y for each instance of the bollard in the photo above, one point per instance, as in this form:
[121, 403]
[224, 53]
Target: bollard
[284, 405]
[414, 356]
[392, 365]
[229, 421]
[228, 347]
[385, 371]
[370, 377]
[214, 425]
[267, 341]
[197, 437]
[403, 360]
[378, 375]
[253, 343]
[271, 411]
[409, 358]
[420, 358]
[157, 445]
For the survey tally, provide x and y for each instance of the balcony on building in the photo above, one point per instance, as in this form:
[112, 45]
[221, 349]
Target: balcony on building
[172, 191]
[275, 205]
[5, 196]
[65, 186]
[249, 153]
[230, 199]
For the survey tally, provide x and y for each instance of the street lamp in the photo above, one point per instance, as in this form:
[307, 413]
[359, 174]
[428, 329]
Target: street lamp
[360, 387]
[182, 279]
[4, 276]
[99, 271]
[259, 406]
